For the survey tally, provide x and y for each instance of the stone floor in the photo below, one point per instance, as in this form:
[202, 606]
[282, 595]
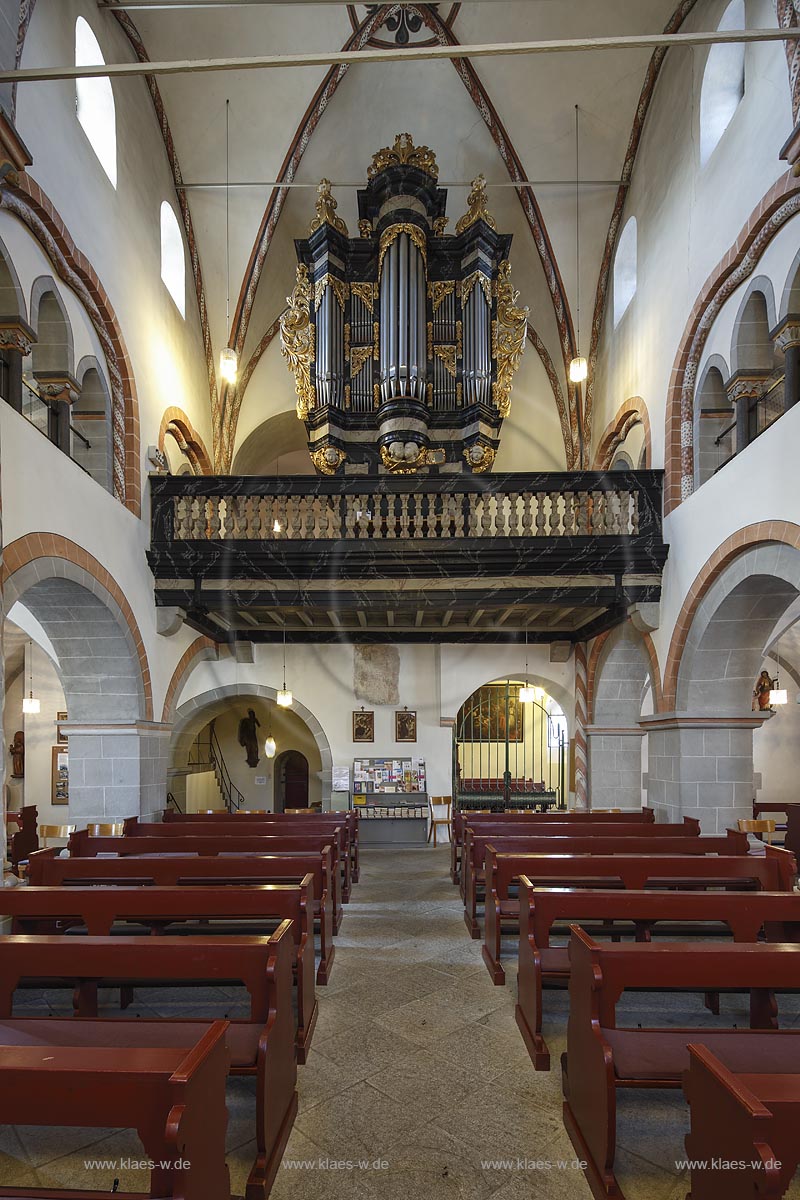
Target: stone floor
[417, 1078]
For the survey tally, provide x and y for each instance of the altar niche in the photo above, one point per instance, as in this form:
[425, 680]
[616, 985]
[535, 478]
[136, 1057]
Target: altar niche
[508, 751]
[403, 341]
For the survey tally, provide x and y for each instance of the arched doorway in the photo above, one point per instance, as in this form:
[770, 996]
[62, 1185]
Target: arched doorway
[291, 781]
[510, 748]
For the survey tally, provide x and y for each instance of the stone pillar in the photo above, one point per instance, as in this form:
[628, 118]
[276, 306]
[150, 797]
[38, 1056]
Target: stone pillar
[743, 388]
[615, 766]
[581, 712]
[787, 339]
[701, 766]
[117, 770]
[16, 339]
[61, 392]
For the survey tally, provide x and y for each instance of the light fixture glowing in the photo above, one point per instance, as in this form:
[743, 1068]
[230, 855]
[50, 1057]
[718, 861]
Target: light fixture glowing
[229, 364]
[276, 526]
[527, 695]
[270, 747]
[778, 696]
[578, 370]
[30, 704]
[284, 696]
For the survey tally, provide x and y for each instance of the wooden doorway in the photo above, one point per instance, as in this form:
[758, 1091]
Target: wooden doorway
[291, 780]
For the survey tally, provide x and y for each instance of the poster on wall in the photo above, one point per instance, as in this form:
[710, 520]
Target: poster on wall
[61, 737]
[485, 718]
[60, 775]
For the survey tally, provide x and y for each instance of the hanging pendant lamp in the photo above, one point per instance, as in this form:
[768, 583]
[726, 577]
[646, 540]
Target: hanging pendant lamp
[578, 367]
[284, 698]
[30, 704]
[527, 694]
[228, 358]
[270, 746]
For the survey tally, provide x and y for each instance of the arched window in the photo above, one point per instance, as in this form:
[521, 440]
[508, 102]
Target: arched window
[625, 270]
[94, 101]
[723, 83]
[173, 265]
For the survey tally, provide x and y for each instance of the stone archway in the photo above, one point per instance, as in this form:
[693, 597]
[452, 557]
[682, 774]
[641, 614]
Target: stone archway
[701, 755]
[115, 750]
[194, 714]
[621, 673]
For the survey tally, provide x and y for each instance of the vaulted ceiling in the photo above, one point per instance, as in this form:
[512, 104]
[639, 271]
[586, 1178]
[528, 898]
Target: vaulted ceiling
[507, 117]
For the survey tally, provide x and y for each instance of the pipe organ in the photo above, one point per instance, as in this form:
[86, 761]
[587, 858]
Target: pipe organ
[403, 341]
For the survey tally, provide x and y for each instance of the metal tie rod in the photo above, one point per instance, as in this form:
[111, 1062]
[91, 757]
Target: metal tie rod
[447, 183]
[647, 41]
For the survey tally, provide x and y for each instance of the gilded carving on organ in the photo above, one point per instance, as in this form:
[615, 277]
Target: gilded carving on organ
[448, 356]
[477, 207]
[328, 459]
[359, 355]
[391, 235]
[330, 281]
[404, 153]
[297, 341]
[439, 291]
[509, 334]
[365, 292]
[326, 209]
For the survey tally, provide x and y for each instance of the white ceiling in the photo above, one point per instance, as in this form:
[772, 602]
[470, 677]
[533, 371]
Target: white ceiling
[535, 99]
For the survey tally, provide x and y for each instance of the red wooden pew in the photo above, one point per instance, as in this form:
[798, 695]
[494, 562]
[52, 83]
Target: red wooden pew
[602, 1056]
[47, 869]
[774, 872]
[559, 816]
[50, 910]
[260, 1045]
[744, 916]
[743, 1138]
[173, 1096]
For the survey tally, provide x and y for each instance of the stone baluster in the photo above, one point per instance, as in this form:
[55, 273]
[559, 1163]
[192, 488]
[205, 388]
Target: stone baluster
[582, 514]
[403, 515]
[279, 514]
[614, 502]
[391, 517]
[214, 522]
[598, 512]
[363, 516]
[569, 514]
[448, 513]
[512, 515]
[486, 516]
[198, 518]
[527, 514]
[236, 517]
[555, 515]
[296, 516]
[540, 514]
[634, 512]
[458, 510]
[262, 519]
[473, 515]
[349, 517]
[180, 518]
[250, 518]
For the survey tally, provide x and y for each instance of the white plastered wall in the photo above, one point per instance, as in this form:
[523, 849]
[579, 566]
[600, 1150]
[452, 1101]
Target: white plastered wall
[688, 218]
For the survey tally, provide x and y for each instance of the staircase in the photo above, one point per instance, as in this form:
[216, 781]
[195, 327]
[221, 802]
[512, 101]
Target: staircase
[209, 754]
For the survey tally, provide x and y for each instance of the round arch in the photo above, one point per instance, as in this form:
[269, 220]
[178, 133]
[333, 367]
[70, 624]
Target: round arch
[192, 715]
[53, 352]
[751, 345]
[12, 297]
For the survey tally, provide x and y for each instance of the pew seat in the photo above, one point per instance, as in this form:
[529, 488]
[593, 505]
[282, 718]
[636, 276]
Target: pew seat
[174, 1097]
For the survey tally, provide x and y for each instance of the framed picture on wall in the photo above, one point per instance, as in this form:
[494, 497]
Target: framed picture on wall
[363, 726]
[60, 775]
[405, 726]
[61, 737]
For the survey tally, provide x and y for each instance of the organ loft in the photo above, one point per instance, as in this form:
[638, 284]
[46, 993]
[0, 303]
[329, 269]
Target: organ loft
[404, 340]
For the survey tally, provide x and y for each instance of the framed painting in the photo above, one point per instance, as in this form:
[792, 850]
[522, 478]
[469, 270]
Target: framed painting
[363, 726]
[405, 726]
[486, 718]
[61, 737]
[60, 775]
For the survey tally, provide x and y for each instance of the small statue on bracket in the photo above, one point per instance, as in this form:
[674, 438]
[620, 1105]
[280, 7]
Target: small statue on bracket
[761, 691]
[248, 737]
[17, 752]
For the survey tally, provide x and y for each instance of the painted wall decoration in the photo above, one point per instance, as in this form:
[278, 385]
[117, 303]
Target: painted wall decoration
[485, 719]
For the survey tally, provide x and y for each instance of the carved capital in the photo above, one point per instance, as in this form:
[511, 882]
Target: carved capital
[16, 334]
[57, 387]
[787, 334]
[746, 385]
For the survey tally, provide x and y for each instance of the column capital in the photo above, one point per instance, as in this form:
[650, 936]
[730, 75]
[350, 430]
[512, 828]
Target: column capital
[746, 383]
[787, 333]
[51, 385]
[16, 334]
[790, 150]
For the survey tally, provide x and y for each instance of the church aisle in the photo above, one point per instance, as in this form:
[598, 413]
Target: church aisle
[418, 1073]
